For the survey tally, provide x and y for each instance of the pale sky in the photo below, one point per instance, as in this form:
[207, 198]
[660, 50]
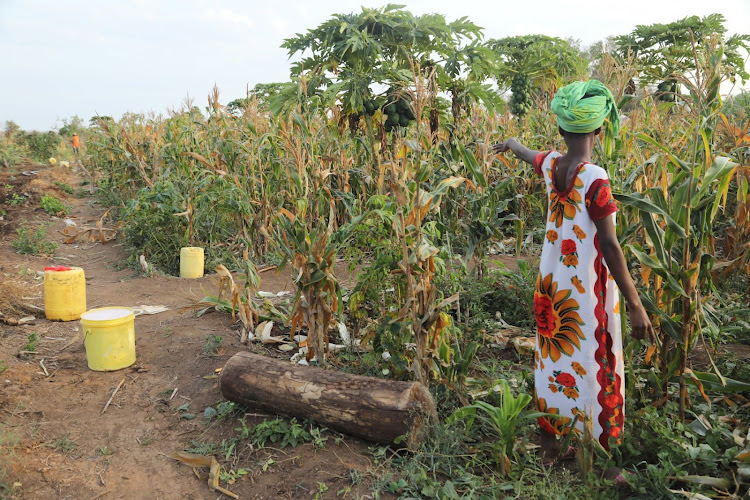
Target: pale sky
[107, 57]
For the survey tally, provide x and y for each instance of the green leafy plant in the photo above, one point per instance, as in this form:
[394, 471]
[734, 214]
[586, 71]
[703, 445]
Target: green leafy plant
[281, 432]
[503, 420]
[53, 206]
[33, 241]
[213, 342]
[65, 188]
[31, 342]
[231, 476]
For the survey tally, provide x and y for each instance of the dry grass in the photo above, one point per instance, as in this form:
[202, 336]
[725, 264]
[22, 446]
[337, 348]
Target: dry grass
[16, 297]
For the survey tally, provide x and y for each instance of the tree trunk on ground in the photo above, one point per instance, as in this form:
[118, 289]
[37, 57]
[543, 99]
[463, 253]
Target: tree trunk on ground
[370, 408]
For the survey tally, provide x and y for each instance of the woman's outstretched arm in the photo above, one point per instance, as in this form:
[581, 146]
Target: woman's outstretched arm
[518, 149]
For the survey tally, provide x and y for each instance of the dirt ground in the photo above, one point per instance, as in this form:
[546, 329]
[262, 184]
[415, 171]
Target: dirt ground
[51, 403]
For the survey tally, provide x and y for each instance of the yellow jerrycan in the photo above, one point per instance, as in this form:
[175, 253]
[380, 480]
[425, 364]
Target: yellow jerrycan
[64, 293]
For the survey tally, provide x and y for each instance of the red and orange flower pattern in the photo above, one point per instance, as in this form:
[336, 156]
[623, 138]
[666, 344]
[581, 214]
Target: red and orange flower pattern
[558, 322]
[565, 207]
[564, 382]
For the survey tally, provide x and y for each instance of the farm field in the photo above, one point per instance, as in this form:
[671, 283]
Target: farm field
[356, 219]
[60, 445]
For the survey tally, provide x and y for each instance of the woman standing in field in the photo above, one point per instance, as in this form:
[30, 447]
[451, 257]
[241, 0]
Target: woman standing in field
[579, 367]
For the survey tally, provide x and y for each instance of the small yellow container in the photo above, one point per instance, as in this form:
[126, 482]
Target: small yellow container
[191, 262]
[109, 337]
[64, 293]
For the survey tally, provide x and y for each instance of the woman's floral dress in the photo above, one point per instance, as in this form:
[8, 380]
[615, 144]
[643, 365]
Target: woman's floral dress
[578, 360]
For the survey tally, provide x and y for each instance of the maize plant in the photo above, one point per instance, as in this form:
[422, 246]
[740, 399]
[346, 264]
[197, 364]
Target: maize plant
[677, 223]
[310, 246]
[421, 310]
[504, 420]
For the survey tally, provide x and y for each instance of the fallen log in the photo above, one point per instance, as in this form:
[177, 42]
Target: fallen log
[370, 408]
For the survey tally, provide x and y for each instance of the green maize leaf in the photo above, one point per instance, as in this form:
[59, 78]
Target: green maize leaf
[721, 192]
[637, 200]
[316, 277]
[669, 325]
[659, 269]
[722, 166]
[712, 382]
[426, 250]
[657, 198]
[679, 200]
[472, 166]
[446, 184]
[656, 235]
[668, 152]
[300, 122]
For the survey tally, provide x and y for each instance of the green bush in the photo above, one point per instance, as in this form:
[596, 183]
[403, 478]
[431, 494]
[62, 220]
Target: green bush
[65, 188]
[11, 153]
[53, 206]
[41, 145]
[33, 241]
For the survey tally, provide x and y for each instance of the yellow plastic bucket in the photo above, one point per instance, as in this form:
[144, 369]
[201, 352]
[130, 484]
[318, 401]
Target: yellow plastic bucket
[109, 336]
[191, 262]
[64, 293]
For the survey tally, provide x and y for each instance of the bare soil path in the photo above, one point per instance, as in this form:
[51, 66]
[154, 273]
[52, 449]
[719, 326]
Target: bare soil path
[64, 447]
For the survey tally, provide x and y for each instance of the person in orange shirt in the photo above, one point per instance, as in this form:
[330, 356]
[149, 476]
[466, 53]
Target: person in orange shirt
[76, 143]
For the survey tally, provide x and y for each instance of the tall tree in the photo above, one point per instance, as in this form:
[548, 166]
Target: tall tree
[663, 50]
[377, 46]
[534, 63]
[463, 75]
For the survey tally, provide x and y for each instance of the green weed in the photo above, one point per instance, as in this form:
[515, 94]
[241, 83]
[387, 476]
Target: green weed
[145, 440]
[53, 206]
[16, 200]
[231, 476]
[281, 432]
[200, 448]
[213, 342]
[32, 340]
[103, 451]
[65, 188]
[33, 241]
[64, 444]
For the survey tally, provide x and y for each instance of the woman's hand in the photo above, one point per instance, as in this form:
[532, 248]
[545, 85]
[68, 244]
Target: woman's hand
[640, 325]
[518, 149]
[504, 146]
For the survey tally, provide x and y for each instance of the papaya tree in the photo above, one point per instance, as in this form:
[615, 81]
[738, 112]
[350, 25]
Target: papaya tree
[532, 63]
[662, 51]
[376, 46]
[465, 72]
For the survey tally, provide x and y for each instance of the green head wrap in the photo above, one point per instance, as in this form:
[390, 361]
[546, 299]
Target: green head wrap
[579, 115]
